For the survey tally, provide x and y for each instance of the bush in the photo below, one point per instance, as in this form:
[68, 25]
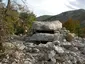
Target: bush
[69, 38]
[19, 30]
[72, 25]
[82, 35]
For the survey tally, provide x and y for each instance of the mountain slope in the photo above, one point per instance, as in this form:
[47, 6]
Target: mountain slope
[43, 17]
[75, 15]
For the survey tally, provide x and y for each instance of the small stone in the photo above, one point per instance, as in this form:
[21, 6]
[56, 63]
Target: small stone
[64, 40]
[27, 62]
[57, 42]
[52, 54]
[49, 44]
[59, 49]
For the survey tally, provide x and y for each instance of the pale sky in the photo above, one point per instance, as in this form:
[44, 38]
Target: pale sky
[53, 7]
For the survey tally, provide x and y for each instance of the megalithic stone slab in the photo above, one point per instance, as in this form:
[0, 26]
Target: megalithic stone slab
[42, 37]
[47, 25]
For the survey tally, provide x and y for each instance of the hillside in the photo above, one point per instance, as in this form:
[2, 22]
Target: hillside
[49, 43]
[43, 17]
[75, 14]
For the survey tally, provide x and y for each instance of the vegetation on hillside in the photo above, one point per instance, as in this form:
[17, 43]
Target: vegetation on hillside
[75, 15]
[72, 20]
[14, 19]
[74, 27]
[42, 18]
[23, 25]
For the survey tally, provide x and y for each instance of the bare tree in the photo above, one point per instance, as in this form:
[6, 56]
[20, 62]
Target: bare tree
[8, 4]
[0, 0]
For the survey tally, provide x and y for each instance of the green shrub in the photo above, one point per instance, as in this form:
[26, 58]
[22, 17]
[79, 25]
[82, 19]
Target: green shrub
[19, 30]
[69, 37]
[82, 35]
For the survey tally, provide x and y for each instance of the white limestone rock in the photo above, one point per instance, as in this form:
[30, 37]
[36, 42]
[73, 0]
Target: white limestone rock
[59, 49]
[53, 25]
[42, 37]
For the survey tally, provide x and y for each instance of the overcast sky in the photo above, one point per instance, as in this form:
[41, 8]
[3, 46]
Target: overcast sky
[53, 7]
[47, 7]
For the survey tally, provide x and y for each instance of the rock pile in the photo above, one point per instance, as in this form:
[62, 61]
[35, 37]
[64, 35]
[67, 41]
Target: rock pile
[56, 50]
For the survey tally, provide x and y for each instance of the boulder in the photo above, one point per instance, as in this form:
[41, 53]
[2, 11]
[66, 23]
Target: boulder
[42, 37]
[54, 25]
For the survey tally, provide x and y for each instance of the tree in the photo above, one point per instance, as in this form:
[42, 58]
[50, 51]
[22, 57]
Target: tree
[82, 34]
[25, 23]
[0, 0]
[9, 16]
[73, 26]
[8, 4]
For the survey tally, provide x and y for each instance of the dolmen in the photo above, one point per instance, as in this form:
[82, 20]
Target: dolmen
[45, 31]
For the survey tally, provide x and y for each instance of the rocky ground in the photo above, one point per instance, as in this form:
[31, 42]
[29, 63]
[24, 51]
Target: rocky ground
[47, 46]
[59, 51]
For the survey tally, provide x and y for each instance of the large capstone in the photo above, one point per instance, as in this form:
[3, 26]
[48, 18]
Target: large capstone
[47, 26]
